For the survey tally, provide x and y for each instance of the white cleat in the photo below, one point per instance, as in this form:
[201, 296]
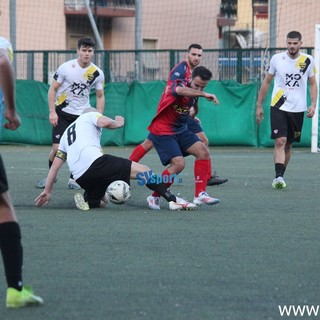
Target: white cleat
[204, 198]
[153, 203]
[279, 183]
[73, 185]
[80, 203]
[181, 204]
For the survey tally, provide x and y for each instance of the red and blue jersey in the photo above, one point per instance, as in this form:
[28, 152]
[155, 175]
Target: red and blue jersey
[181, 71]
[173, 110]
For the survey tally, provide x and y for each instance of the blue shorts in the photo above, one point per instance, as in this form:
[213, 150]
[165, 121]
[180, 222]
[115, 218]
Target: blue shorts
[193, 125]
[171, 146]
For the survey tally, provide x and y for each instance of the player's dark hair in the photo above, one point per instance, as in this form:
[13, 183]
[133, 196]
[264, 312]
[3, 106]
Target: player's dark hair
[194, 46]
[294, 35]
[86, 42]
[202, 72]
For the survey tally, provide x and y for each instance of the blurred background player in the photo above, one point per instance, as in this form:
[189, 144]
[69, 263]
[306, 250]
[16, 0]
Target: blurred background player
[183, 71]
[292, 70]
[18, 295]
[69, 95]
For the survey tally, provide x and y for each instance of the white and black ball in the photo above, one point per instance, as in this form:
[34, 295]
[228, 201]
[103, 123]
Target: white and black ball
[118, 192]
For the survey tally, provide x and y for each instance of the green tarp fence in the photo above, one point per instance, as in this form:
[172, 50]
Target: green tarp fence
[231, 123]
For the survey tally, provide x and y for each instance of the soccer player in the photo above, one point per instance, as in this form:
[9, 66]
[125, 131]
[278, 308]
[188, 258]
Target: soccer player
[183, 71]
[69, 95]
[18, 295]
[172, 139]
[291, 71]
[94, 171]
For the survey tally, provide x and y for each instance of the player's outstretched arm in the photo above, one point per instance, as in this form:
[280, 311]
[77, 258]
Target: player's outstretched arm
[106, 122]
[45, 196]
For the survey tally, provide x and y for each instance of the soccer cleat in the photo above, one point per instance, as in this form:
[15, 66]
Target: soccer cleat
[279, 183]
[153, 203]
[204, 198]
[215, 180]
[80, 203]
[181, 204]
[73, 185]
[25, 297]
[42, 183]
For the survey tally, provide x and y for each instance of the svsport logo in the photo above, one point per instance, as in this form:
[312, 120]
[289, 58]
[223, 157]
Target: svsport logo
[149, 177]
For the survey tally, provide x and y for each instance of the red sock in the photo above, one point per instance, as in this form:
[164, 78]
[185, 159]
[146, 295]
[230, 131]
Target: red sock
[138, 153]
[209, 170]
[200, 175]
[169, 183]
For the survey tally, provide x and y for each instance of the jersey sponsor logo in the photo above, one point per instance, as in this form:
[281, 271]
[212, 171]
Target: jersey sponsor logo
[78, 89]
[180, 109]
[292, 80]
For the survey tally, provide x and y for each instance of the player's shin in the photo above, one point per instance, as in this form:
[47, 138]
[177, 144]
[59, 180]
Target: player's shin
[201, 168]
[161, 188]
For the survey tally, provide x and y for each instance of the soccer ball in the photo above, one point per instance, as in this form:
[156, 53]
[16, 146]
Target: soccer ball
[118, 192]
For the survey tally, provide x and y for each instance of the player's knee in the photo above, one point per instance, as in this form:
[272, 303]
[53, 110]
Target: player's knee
[147, 145]
[203, 153]
[139, 169]
[178, 164]
[205, 140]
[280, 142]
[144, 168]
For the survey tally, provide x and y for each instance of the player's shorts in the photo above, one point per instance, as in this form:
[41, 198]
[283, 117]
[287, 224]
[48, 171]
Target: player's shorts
[194, 125]
[170, 146]
[100, 174]
[65, 119]
[286, 124]
[3, 178]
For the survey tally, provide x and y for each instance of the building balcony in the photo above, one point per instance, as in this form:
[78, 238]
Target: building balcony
[223, 21]
[260, 8]
[101, 8]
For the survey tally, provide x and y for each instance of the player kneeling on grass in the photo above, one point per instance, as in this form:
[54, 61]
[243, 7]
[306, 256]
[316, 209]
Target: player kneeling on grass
[94, 171]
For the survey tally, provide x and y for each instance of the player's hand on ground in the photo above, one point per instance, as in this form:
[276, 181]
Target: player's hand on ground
[43, 199]
[13, 120]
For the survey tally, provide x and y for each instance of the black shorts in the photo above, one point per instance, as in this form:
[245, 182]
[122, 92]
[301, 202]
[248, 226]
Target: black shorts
[101, 173]
[286, 124]
[65, 119]
[3, 178]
